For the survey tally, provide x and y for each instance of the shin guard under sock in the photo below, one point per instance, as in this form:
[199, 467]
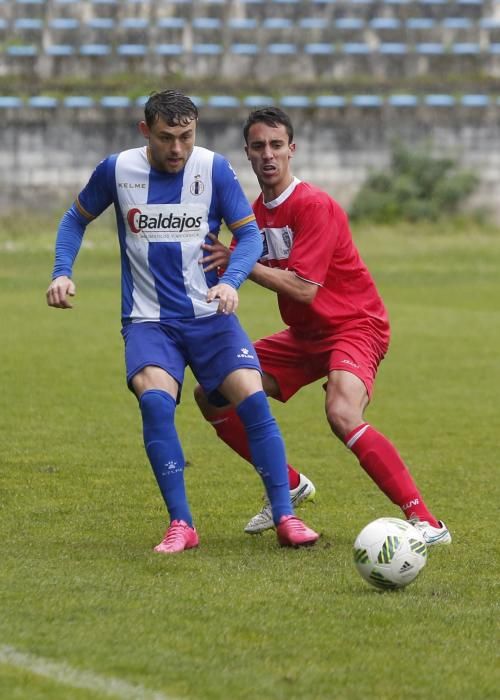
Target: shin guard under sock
[230, 430]
[164, 451]
[267, 450]
[382, 462]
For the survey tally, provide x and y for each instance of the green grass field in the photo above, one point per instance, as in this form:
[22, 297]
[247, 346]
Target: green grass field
[88, 611]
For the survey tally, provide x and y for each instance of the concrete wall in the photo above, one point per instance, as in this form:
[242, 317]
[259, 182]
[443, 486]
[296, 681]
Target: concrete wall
[46, 156]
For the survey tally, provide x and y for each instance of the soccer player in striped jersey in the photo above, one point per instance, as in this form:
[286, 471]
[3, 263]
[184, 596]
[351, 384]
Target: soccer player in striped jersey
[168, 195]
[337, 324]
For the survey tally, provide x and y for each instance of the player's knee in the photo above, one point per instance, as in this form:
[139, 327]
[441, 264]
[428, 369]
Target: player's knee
[200, 397]
[342, 417]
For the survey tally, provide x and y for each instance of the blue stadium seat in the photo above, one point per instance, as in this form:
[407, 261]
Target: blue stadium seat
[28, 24]
[402, 100]
[439, 100]
[210, 23]
[456, 23]
[385, 23]
[282, 49]
[245, 49]
[30, 2]
[255, 101]
[475, 100]
[208, 49]
[367, 101]
[60, 50]
[43, 102]
[356, 48]
[115, 101]
[313, 23]
[10, 102]
[350, 23]
[171, 23]
[19, 51]
[466, 49]
[422, 23]
[3, 23]
[64, 23]
[277, 23]
[319, 49]
[494, 48]
[95, 50]
[330, 101]
[243, 23]
[105, 23]
[78, 102]
[393, 48]
[169, 49]
[429, 49]
[489, 22]
[132, 49]
[295, 101]
[139, 23]
[197, 100]
[223, 101]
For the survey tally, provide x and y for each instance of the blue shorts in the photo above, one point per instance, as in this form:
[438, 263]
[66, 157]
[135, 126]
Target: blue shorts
[212, 346]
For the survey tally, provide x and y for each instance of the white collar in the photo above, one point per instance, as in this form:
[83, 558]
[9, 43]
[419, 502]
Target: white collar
[283, 196]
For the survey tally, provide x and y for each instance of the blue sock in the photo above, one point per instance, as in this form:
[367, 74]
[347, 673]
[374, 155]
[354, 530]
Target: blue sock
[267, 450]
[164, 451]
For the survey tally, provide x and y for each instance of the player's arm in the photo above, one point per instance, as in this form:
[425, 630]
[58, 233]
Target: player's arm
[284, 282]
[240, 219]
[313, 246]
[275, 279]
[70, 234]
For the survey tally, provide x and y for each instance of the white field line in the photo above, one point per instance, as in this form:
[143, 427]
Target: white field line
[61, 672]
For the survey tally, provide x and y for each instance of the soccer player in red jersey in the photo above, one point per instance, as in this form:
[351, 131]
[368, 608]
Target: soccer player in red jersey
[337, 324]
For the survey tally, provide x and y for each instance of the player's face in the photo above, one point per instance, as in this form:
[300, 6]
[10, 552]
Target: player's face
[269, 152]
[169, 146]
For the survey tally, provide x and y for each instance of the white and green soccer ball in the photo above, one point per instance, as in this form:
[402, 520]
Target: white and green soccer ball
[389, 553]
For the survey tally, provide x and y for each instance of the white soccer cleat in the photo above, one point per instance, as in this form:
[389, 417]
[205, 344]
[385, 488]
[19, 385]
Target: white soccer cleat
[305, 491]
[432, 535]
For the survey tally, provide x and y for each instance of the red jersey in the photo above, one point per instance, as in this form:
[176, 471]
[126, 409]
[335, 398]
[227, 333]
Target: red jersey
[307, 232]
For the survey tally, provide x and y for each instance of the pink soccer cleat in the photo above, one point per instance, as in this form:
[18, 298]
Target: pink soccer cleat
[178, 537]
[293, 533]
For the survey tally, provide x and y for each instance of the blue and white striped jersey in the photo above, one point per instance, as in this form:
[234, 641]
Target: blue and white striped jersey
[162, 220]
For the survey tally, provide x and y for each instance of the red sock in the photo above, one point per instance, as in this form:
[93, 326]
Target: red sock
[382, 462]
[231, 431]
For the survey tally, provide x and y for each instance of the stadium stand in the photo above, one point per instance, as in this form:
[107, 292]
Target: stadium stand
[306, 39]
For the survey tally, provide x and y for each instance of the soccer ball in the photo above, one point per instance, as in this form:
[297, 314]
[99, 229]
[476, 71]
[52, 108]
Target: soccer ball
[389, 553]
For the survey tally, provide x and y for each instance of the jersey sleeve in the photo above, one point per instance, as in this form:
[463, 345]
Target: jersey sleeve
[95, 197]
[315, 237]
[240, 219]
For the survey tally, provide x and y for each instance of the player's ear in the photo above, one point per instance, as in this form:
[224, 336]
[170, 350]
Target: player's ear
[292, 149]
[144, 129]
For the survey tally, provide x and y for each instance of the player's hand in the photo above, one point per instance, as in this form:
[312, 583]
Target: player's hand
[219, 254]
[227, 296]
[58, 292]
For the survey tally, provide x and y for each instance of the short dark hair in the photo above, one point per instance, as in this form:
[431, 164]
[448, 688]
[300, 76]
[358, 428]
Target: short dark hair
[272, 116]
[172, 106]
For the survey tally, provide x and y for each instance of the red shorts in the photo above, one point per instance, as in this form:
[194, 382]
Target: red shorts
[295, 361]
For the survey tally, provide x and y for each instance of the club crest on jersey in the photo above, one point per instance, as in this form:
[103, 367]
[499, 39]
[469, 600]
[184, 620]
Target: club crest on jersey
[285, 234]
[165, 223]
[197, 187]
